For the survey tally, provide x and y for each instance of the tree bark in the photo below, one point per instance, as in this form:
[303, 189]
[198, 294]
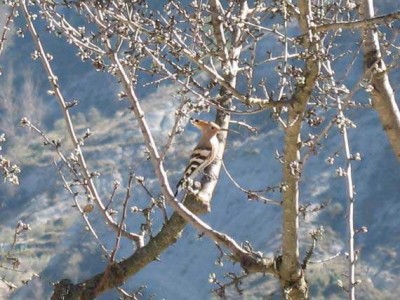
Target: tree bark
[292, 278]
[117, 273]
[383, 98]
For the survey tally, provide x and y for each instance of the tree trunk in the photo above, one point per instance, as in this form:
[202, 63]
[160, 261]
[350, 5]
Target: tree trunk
[382, 93]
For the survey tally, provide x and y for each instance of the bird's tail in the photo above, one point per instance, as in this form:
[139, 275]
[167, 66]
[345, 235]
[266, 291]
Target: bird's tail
[179, 186]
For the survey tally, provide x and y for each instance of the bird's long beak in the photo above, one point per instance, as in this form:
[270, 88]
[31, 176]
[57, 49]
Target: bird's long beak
[199, 123]
[196, 121]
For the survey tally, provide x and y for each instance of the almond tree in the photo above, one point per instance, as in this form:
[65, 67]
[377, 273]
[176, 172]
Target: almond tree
[236, 58]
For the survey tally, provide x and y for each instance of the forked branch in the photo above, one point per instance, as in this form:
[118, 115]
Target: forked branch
[53, 79]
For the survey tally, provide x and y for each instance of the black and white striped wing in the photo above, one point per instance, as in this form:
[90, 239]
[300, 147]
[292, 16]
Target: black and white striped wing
[199, 160]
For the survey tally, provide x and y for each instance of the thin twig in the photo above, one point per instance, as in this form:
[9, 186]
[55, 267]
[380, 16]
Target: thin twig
[320, 136]
[121, 223]
[252, 129]
[6, 27]
[69, 30]
[115, 187]
[19, 228]
[251, 194]
[125, 294]
[25, 122]
[91, 188]
[83, 214]
[350, 195]
[365, 23]
[350, 215]
[193, 57]
[178, 120]
[160, 203]
[310, 251]
[319, 261]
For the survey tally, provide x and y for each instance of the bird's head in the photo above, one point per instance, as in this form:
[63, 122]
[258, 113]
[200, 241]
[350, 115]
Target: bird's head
[206, 126]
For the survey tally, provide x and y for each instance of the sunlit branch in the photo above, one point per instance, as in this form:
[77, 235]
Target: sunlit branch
[250, 194]
[123, 217]
[71, 131]
[365, 23]
[6, 28]
[78, 206]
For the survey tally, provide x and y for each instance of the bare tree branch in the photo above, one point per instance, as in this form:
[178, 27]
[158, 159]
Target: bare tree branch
[369, 22]
[159, 167]
[350, 214]
[6, 27]
[84, 215]
[383, 98]
[213, 73]
[250, 194]
[123, 217]
[53, 79]
[290, 270]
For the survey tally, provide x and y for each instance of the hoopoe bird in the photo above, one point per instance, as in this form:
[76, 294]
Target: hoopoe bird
[204, 153]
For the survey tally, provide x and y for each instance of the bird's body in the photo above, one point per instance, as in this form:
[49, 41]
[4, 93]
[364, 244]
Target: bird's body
[201, 157]
[204, 153]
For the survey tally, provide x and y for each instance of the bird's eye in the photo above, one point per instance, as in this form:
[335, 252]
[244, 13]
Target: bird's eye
[212, 127]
